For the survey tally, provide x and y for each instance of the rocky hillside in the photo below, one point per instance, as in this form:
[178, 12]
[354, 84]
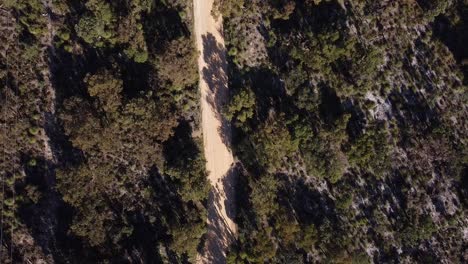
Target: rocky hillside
[350, 128]
[349, 122]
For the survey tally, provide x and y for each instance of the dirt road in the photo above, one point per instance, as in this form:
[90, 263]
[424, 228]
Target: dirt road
[216, 132]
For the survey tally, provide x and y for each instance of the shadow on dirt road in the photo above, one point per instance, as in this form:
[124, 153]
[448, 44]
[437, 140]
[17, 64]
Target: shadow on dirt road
[215, 75]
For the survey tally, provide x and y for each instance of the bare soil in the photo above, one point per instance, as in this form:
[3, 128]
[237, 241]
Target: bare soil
[216, 133]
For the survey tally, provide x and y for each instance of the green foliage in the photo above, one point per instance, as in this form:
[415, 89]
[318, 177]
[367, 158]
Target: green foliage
[136, 181]
[140, 56]
[273, 143]
[83, 188]
[263, 197]
[192, 177]
[131, 34]
[138, 128]
[286, 227]
[32, 162]
[130, 134]
[285, 11]
[364, 71]
[241, 108]
[63, 39]
[33, 131]
[177, 64]
[344, 202]
[263, 249]
[31, 53]
[353, 48]
[308, 237]
[141, 6]
[30, 14]
[323, 50]
[60, 7]
[125, 199]
[434, 8]
[322, 152]
[83, 129]
[186, 239]
[64, 34]
[229, 8]
[93, 31]
[371, 151]
[98, 26]
[421, 229]
[106, 89]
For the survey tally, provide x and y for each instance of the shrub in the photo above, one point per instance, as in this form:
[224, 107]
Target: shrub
[273, 143]
[371, 151]
[32, 162]
[33, 131]
[241, 108]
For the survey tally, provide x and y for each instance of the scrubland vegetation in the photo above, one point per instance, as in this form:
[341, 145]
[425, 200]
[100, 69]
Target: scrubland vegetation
[348, 121]
[100, 162]
[350, 129]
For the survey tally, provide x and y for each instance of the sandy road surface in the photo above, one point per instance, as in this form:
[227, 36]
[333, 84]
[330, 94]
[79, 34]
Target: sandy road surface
[213, 86]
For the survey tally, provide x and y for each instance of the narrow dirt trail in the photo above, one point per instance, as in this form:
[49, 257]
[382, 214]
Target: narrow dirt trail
[216, 133]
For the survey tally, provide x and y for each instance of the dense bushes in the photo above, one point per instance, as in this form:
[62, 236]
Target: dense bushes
[98, 113]
[101, 26]
[31, 15]
[241, 107]
[331, 123]
[177, 64]
[371, 151]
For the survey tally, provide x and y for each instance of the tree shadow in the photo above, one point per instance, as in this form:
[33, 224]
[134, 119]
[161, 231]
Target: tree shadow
[455, 38]
[48, 220]
[220, 236]
[215, 76]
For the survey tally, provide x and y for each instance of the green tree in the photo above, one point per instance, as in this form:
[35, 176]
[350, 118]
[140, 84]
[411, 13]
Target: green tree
[264, 196]
[97, 27]
[241, 108]
[192, 177]
[229, 8]
[273, 143]
[308, 237]
[106, 89]
[186, 239]
[177, 64]
[371, 151]
[83, 188]
[322, 151]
